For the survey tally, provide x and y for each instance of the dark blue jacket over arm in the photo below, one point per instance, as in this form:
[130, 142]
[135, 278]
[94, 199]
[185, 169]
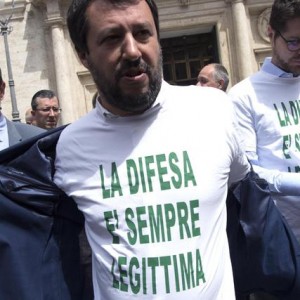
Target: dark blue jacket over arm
[39, 226]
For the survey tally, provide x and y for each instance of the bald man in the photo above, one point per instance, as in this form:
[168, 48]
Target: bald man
[213, 75]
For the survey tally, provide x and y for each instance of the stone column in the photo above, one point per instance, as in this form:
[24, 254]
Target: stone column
[244, 49]
[56, 25]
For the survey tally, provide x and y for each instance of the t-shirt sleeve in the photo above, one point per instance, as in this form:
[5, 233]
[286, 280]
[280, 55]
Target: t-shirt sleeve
[245, 119]
[284, 183]
[239, 165]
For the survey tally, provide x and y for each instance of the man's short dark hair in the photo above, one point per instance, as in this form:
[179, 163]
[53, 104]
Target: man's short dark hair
[41, 94]
[282, 12]
[1, 79]
[78, 24]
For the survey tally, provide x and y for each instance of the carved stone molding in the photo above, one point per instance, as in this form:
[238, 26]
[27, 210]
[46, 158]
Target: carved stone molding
[55, 21]
[17, 12]
[262, 24]
[184, 2]
[233, 1]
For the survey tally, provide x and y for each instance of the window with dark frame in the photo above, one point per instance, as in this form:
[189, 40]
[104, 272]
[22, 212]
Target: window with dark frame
[184, 56]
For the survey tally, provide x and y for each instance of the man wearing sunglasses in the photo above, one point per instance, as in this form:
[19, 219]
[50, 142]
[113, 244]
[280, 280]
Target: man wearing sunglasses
[45, 109]
[268, 110]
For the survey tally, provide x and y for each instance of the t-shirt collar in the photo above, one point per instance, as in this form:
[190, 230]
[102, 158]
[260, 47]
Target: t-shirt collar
[158, 102]
[272, 69]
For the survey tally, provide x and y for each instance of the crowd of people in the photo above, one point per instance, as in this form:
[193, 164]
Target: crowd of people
[150, 165]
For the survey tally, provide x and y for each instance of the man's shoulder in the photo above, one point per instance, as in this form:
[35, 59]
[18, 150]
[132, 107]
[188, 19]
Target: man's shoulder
[25, 130]
[245, 87]
[78, 128]
[241, 85]
[195, 95]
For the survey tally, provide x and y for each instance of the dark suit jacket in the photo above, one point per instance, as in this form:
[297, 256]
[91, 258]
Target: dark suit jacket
[39, 226]
[18, 131]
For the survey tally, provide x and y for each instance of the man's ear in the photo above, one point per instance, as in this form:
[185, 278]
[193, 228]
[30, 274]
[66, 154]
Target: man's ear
[270, 32]
[221, 83]
[83, 58]
[2, 90]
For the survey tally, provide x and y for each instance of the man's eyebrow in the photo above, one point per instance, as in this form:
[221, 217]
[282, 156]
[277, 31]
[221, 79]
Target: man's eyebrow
[109, 29]
[115, 28]
[103, 32]
[143, 24]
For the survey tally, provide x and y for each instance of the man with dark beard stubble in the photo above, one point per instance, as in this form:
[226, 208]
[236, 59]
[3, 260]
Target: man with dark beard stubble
[139, 167]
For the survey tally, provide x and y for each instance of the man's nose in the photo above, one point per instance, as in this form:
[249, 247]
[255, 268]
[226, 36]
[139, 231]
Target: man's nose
[130, 47]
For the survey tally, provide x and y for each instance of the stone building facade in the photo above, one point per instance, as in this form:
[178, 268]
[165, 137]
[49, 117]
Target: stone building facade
[193, 33]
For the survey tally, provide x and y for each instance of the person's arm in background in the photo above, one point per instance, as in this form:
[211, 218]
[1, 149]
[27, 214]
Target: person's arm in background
[279, 182]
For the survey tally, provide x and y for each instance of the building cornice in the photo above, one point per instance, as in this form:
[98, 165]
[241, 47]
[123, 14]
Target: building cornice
[17, 12]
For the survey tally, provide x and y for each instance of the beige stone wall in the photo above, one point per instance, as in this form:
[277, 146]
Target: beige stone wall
[259, 16]
[30, 59]
[42, 56]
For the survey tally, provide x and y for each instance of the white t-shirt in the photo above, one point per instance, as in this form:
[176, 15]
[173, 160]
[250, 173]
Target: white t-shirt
[152, 189]
[268, 110]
